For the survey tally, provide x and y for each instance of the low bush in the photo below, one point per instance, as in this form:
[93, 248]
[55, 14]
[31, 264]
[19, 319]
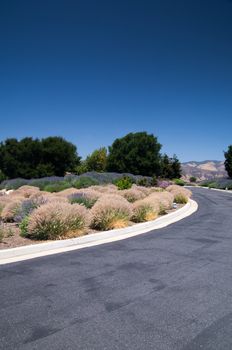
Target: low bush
[84, 182]
[24, 209]
[143, 181]
[13, 184]
[124, 183]
[193, 179]
[23, 226]
[154, 181]
[57, 186]
[111, 211]
[84, 198]
[56, 220]
[179, 182]
[163, 183]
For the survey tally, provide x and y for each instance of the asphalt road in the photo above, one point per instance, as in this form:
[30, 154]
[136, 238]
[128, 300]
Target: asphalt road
[169, 289]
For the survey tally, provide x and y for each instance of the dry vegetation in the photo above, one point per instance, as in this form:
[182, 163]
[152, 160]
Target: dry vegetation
[28, 214]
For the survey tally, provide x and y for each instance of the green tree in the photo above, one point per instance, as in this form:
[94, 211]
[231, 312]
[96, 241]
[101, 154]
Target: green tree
[228, 161]
[81, 168]
[171, 167]
[176, 167]
[136, 153]
[60, 154]
[97, 160]
[31, 158]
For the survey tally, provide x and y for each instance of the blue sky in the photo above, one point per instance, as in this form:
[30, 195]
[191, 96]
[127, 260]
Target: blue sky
[94, 70]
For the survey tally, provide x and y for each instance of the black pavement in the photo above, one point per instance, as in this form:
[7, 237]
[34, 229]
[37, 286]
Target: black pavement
[170, 289]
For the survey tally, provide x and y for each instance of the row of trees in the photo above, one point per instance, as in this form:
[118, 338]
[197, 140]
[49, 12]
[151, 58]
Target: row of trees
[136, 153]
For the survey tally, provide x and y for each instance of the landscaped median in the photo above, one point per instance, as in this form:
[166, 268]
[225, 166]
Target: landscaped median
[73, 218]
[33, 251]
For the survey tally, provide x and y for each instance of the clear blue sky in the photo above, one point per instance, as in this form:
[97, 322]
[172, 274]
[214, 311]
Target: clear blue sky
[94, 70]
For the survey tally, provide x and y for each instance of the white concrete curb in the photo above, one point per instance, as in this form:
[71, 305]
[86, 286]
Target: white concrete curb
[36, 250]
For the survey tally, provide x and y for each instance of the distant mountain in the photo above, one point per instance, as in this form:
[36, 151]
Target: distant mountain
[206, 170]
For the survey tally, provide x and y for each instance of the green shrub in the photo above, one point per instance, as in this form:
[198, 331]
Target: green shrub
[23, 226]
[154, 181]
[2, 233]
[143, 182]
[192, 179]
[213, 185]
[57, 186]
[179, 182]
[124, 183]
[84, 182]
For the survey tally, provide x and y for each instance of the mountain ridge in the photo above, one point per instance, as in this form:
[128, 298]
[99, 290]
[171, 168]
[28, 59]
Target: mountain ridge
[203, 170]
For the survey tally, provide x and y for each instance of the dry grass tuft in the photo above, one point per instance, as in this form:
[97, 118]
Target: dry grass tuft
[25, 191]
[111, 211]
[11, 209]
[107, 189]
[67, 192]
[175, 189]
[163, 199]
[57, 220]
[132, 194]
[144, 210]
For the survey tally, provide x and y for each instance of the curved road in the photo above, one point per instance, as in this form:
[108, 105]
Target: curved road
[169, 289]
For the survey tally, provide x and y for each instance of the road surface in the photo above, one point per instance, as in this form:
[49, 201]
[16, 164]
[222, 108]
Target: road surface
[170, 289]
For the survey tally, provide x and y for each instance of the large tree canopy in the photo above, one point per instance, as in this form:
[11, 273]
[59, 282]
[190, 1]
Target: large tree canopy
[136, 153]
[228, 161]
[31, 158]
[171, 167]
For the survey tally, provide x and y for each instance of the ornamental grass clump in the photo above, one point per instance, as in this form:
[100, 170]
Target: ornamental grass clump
[181, 195]
[144, 210]
[107, 189]
[142, 189]
[67, 192]
[163, 199]
[25, 191]
[175, 189]
[86, 198]
[4, 200]
[57, 220]
[110, 212]
[181, 198]
[133, 194]
[11, 210]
